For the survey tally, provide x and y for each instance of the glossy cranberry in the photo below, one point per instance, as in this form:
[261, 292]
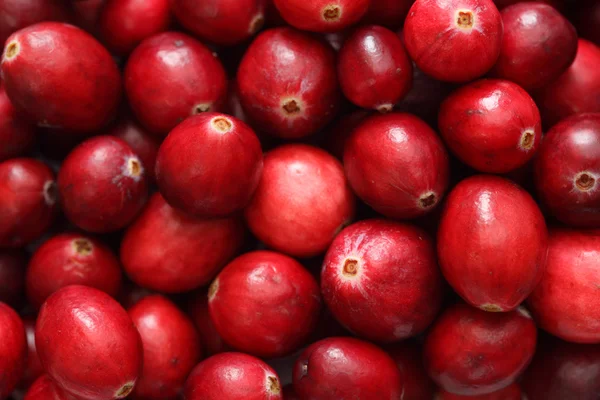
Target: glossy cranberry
[567, 170]
[13, 349]
[288, 211]
[27, 201]
[212, 342]
[512, 392]
[168, 251]
[33, 367]
[287, 83]
[491, 125]
[45, 389]
[408, 358]
[171, 76]
[389, 13]
[109, 363]
[12, 276]
[18, 14]
[322, 15]
[465, 341]
[141, 142]
[16, 134]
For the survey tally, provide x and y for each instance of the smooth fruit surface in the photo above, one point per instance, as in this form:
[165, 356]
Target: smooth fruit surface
[18, 14]
[13, 349]
[212, 342]
[388, 13]
[512, 392]
[45, 389]
[16, 135]
[322, 15]
[407, 355]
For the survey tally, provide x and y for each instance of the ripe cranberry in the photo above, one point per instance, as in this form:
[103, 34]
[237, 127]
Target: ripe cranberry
[465, 341]
[12, 276]
[575, 91]
[512, 392]
[408, 358]
[501, 4]
[86, 14]
[70, 259]
[168, 251]
[171, 348]
[233, 376]
[131, 294]
[45, 389]
[141, 142]
[209, 165]
[374, 69]
[212, 342]
[61, 91]
[538, 45]
[33, 366]
[454, 40]
[491, 125]
[16, 134]
[567, 170]
[389, 13]
[587, 21]
[322, 15]
[287, 83]
[340, 132]
[18, 14]
[27, 201]
[109, 363]
[264, 286]
[13, 349]
[125, 23]
[224, 22]
[171, 76]
[492, 242]
[234, 106]
[345, 368]
[365, 268]
[288, 211]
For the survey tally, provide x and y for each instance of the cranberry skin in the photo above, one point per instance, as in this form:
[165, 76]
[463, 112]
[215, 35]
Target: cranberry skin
[408, 359]
[33, 367]
[42, 61]
[288, 211]
[538, 45]
[453, 40]
[502, 4]
[86, 14]
[512, 392]
[70, 259]
[16, 134]
[131, 294]
[491, 125]
[264, 286]
[389, 13]
[346, 368]
[288, 84]
[18, 14]
[141, 142]
[13, 349]
[12, 276]
[171, 76]
[211, 341]
[322, 15]
[168, 251]
[125, 23]
[373, 68]
[224, 22]
[45, 389]
[465, 341]
[567, 170]
[109, 363]
[492, 242]
[365, 268]
[171, 348]
[233, 376]
[226, 165]
[576, 90]
[397, 164]
[27, 201]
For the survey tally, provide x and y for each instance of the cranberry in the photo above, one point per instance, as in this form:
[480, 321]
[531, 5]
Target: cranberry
[567, 170]
[109, 363]
[512, 392]
[12, 276]
[13, 349]
[171, 76]
[389, 13]
[19, 14]
[169, 251]
[226, 165]
[322, 15]
[45, 389]
[407, 356]
[465, 341]
[454, 40]
[287, 83]
[501, 4]
[288, 211]
[491, 125]
[234, 106]
[374, 69]
[344, 368]
[87, 13]
[61, 91]
[27, 201]
[211, 341]
[587, 21]
[33, 366]
[233, 376]
[16, 134]
[140, 141]
[131, 294]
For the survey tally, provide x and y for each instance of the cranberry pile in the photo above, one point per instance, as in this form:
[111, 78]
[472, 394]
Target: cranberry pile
[300, 199]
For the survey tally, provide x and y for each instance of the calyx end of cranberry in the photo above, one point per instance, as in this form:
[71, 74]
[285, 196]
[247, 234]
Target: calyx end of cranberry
[82, 246]
[213, 289]
[134, 167]
[12, 50]
[273, 385]
[201, 108]
[50, 193]
[491, 307]
[125, 390]
[350, 268]
[221, 124]
[585, 181]
[428, 200]
[256, 24]
[527, 140]
[291, 107]
[465, 19]
[332, 13]
[385, 108]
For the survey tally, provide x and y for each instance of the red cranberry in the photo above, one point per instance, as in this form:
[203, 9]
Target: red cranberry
[168, 251]
[365, 268]
[27, 201]
[13, 349]
[567, 170]
[576, 90]
[264, 286]
[45, 389]
[501, 4]
[233, 376]
[454, 40]
[538, 45]
[171, 348]
[491, 125]
[374, 69]
[234, 106]
[61, 91]
[288, 211]
[12, 276]
[18, 14]
[131, 294]
[226, 165]
[86, 14]
[70, 259]
[408, 359]
[141, 142]
[287, 83]
[16, 134]
[512, 392]
[322, 15]
[389, 13]
[472, 352]
[125, 23]
[492, 242]
[345, 368]
[109, 363]
[171, 76]
[33, 366]
[340, 132]
[211, 341]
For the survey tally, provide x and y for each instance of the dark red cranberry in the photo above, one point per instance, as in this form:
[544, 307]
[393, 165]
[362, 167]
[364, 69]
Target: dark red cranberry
[212, 342]
[44, 388]
[587, 21]
[19, 14]
[389, 13]
[16, 134]
[13, 349]
[13, 264]
[140, 141]
[322, 15]
[408, 357]
[512, 392]
[86, 14]
[340, 132]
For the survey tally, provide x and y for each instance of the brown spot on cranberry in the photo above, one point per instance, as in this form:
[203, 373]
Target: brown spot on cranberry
[12, 49]
[213, 289]
[134, 166]
[274, 386]
[350, 267]
[491, 308]
[331, 13]
[222, 124]
[428, 200]
[585, 181]
[527, 140]
[125, 390]
[291, 107]
[256, 24]
[83, 247]
[465, 19]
